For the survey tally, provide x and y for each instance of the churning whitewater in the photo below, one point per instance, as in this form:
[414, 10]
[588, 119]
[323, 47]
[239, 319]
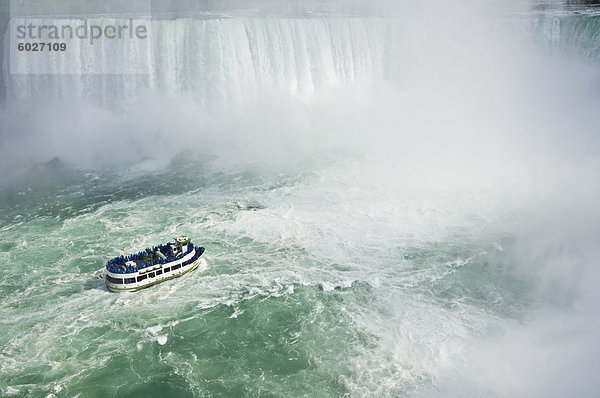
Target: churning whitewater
[395, 201]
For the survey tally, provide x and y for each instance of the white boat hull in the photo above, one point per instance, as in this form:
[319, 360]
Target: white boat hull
[150, 276]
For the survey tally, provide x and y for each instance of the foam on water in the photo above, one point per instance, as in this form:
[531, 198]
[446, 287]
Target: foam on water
[399, 219]
[377, 309]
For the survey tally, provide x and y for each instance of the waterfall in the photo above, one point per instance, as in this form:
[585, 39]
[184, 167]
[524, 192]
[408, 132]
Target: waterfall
[213, 59]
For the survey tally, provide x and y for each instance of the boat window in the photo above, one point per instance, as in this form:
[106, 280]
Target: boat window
[151, 275]
[158, 272]
[129, 280]
[114, 280]
[142, 277]
[168, 269]
[177, 266]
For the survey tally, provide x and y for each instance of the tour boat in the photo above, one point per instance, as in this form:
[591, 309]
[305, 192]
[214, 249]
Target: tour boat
[153, 265]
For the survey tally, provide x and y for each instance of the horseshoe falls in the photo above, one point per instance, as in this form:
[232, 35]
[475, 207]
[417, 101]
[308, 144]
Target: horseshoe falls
[396, 200]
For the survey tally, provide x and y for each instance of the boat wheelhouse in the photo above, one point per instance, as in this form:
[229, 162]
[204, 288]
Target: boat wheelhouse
[153, 265]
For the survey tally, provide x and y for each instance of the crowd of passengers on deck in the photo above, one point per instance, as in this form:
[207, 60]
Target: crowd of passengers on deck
[147, 258]
[158, 272]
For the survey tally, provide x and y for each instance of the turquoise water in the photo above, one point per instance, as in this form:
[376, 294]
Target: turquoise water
[394, 205]
[288, 301]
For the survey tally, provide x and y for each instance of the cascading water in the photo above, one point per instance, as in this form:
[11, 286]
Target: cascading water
[221, 59]
[398, 204]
